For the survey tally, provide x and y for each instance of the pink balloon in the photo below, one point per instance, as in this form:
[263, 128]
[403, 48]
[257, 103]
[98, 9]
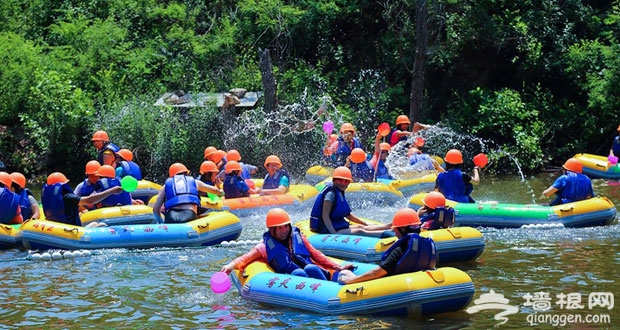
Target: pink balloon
[220, 282]
[328, 127]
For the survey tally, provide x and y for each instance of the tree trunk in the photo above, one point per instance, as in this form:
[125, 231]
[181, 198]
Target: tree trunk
[418, 76]
[269, 83]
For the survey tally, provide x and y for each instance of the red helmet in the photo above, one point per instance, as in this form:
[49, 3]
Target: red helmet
[232, 166]
[209, 151]
[573, 165]
[342, 172]
[358, 155]
[19, 178]
[55, 178]
[208, 166]
[402, 119]
[434, 199]
[454, 156]
[273, 159]
[405, 217]
[233, 155]
[100, 136]
[125, 154]
[106, 171]
[177, 168]
[5, 179]
[277, 217]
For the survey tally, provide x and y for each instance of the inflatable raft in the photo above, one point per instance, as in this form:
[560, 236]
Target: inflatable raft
[146, 189]
[453, 244]
[119, 215]
[420, 293]
[598, 167]
[408, 187]
[360, 194]
[10, 236]
[212, 229]
[317, 173]
[597, 211]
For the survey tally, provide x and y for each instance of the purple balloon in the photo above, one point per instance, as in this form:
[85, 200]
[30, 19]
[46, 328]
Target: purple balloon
[328, 127]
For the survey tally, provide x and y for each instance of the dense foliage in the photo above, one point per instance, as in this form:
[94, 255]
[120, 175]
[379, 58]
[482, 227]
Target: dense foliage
[541, 79]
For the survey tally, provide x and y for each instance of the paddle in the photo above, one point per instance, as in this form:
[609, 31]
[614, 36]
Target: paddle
[129, 183]
[220, 282]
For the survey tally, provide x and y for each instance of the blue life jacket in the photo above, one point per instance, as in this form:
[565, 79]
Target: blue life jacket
[25, 204]
[616, 146]
[88, 188]
[235, 187]
[382, 171]
[283, 260]
[273, 182]
[245, 171]
[578, 188]
[9, 202]
[131, 168]
[362, 172]
[109, 146]
[123, 198]
[420, 254]
[344, 150]
[441, 217]
[451, 184]
[181, 189]
[420, 162]
[53, 205]
[340, 209]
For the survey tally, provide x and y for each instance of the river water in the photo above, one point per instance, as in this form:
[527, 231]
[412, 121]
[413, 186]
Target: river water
[169, 288]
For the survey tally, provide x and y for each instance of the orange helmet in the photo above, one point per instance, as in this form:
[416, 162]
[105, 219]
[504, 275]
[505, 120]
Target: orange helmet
[402, 119]
[347, 127]
[333, 138]
[412, 151]
[277, 217]
[209, 151]
[342, 172]
[419, 142]
[405, 217]
[208, 166]
[177, 168]
[92, 167]
[218, 156]
[385, 146]
[55, 178]
[273, 159]
[573, 165]
[125, 154]
[454, 156]
[19, 178]
[358, 155]
[232, 166]
[233, 155]
[434, 199]
[100, 136]
[106, 171]
[5, 179]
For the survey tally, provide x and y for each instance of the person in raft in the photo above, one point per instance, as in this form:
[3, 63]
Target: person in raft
[234, 186]
[347, 141]
[108, 179]
[435, 214]
[126, 166]
[208, 175]
[361, 169]
[10, 210]
[571, 186]
[411, 253]
[615, 145]
[454, 184]
[288, 251]
[382, 150]
[331, 210]
[400, 132]
[61, 204]
[27, 202]
[277, 180]
[106, 150]
[179, 196]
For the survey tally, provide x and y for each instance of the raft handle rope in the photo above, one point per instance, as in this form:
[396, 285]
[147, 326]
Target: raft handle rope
[361, 288]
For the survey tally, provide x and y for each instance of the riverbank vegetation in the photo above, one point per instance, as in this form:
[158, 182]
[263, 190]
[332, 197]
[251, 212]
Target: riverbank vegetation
[539, 78]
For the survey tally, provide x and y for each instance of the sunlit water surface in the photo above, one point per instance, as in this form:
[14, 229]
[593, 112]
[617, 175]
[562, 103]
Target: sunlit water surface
[169, 288]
